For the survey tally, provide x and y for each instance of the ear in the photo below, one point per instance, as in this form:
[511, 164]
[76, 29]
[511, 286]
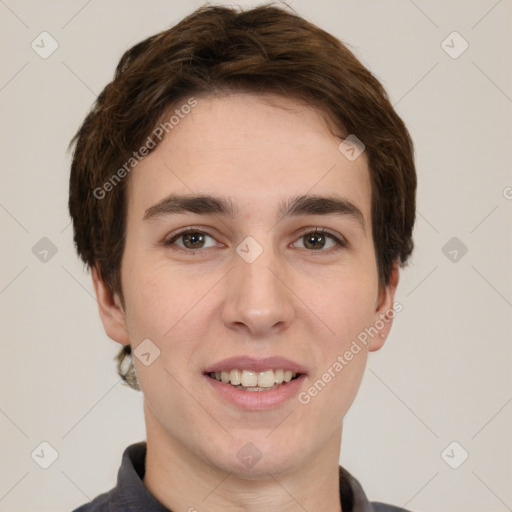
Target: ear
[384, 311]
[111, 311]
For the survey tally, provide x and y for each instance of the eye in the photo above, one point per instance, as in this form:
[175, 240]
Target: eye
[320, 239]
[191, 240]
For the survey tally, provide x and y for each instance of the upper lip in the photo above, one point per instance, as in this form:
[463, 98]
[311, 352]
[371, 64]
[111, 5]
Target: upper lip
[255, 364]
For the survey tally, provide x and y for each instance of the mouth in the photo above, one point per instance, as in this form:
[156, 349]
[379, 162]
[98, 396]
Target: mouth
[255, 384]
[248, 380]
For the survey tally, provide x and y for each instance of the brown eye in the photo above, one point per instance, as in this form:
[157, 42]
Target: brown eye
[318, 240]
[191, 240]
[314, 241]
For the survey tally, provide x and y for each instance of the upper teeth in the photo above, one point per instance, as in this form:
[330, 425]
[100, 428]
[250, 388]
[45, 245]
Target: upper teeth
[248, 378]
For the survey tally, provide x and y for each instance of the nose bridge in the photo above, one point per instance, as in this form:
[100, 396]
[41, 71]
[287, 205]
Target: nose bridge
[256, 296]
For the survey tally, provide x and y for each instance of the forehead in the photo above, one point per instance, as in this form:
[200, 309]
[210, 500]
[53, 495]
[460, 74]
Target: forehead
[256, 150]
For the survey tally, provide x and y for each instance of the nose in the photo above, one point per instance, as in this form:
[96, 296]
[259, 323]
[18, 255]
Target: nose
[259, 300]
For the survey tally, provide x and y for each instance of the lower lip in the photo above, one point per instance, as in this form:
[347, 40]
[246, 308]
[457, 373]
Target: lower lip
[257, 400]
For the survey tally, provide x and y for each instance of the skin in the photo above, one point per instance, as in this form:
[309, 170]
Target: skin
[306, 304]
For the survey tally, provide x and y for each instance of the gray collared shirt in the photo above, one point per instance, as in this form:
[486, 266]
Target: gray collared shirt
[131, 495]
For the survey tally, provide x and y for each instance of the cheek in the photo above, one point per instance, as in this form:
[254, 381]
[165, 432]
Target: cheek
[157, 298]
[160, 309]
[168, 308]
[346, 303]
[147, 310]
[341, 358]
[346, 306]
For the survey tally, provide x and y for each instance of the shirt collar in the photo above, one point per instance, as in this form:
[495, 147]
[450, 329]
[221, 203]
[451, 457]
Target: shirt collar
[131, 495]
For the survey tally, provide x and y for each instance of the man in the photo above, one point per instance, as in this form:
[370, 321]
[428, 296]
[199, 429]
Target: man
[244, 194]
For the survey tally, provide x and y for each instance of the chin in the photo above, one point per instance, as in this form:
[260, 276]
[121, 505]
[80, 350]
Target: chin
[253, 457]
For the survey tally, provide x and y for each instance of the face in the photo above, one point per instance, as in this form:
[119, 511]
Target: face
[276, 271]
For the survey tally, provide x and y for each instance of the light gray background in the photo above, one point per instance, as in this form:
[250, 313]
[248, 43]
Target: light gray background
[444, 374]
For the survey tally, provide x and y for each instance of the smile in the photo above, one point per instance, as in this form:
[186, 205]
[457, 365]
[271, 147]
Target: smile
[255, 384]
[254, 381]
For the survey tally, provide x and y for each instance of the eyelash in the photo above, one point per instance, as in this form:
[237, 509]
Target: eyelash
[194, 252]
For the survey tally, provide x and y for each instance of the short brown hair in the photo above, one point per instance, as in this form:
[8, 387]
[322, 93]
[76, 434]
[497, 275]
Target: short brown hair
[216, 50]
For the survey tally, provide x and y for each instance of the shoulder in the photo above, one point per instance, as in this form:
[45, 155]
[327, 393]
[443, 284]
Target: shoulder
[102, 503]
[353, 497]
[382, 507]
[130, 492]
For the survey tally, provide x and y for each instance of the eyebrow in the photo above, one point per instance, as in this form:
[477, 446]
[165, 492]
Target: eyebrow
[205, 204]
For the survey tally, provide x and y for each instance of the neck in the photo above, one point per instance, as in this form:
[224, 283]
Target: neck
[183, 481]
